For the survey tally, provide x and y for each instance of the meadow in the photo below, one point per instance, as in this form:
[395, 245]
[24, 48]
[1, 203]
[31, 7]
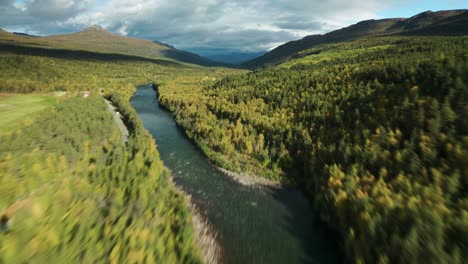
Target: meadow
[16, 108]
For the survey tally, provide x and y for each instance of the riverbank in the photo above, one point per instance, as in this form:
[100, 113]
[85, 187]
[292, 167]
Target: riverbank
[244, 178]
[250, 180]
[206, 237]
[252, 225]
[118, 120]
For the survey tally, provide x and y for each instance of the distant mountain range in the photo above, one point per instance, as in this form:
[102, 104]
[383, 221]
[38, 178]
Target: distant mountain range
[23, 34]
[452, 22]
[229, 56]
[235, 58]
[96, 39]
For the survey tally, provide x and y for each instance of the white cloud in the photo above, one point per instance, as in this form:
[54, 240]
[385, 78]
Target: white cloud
[123, 30]
[235, 24]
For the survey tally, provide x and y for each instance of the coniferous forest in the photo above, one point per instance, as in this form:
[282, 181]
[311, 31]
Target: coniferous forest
[68, 179]
[374, 130]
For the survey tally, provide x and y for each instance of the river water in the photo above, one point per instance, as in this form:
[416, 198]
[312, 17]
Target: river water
[256, 225]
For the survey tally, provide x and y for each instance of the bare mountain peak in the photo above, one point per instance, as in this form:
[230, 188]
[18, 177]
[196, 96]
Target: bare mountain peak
[425, 14]
[94, 28]
[438, 14]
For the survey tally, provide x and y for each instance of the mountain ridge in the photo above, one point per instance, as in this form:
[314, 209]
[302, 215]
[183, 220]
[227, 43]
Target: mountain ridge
[235, 58]
[446, 22]
[97, 39]
[94, 27]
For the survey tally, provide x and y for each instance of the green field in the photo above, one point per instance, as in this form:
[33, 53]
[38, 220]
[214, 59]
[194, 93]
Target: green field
[17, 107]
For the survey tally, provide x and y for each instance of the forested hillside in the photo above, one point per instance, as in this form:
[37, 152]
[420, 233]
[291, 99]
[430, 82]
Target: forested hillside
[72, 192]
[26, 70]
[441, 23]
[117, 202]
[374, 130]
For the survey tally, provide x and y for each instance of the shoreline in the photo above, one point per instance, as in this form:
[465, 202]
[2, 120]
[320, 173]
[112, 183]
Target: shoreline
[206, 238]
[248, 179]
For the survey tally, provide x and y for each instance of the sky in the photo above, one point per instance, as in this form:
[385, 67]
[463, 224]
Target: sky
[241, 25]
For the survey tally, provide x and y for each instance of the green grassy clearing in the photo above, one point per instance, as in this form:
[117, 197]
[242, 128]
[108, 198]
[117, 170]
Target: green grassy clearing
[15, 108]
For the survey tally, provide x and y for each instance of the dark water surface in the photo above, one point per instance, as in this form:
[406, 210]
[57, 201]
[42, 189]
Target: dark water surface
[255, 225]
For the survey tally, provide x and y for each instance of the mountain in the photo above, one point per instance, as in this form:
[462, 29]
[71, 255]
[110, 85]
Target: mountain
[96, 39]
[226, 55]
[446, 23]
[451, 22]
[188, 57]
[23, 34]
[3, 32]
[163, 44]
[235, 57]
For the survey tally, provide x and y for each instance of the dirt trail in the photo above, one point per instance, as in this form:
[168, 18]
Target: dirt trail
[118, 120]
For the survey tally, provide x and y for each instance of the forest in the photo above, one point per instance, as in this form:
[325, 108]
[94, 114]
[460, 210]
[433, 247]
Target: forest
[70, 189]
[22, 73]
[374, 130]
[67, 178]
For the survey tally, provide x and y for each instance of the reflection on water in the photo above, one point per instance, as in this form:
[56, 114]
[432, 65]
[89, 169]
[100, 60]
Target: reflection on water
[256, 225]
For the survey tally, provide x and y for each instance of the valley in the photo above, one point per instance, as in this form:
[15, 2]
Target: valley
[359, 139]
[353, 144]
[255, 224]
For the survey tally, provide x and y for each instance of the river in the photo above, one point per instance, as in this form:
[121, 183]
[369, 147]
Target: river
[256, 225]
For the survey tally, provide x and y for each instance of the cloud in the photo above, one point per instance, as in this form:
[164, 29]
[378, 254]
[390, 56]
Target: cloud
[55, 10]
[4, 3]
[236, 24]
[300, 25]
